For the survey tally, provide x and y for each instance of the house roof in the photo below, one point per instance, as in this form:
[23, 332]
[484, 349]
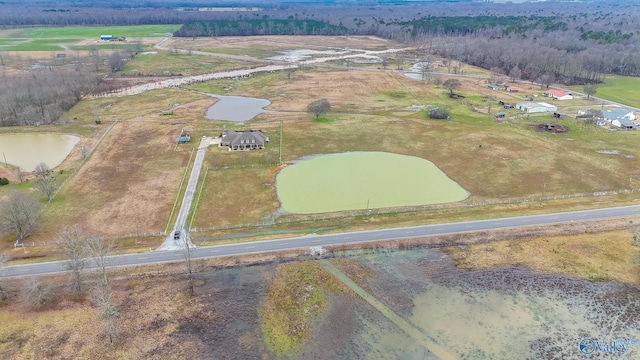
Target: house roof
[238, 138]
[617, 114]
[555, 93]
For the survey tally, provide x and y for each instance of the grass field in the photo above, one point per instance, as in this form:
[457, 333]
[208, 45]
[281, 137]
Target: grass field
[163, 63]
[492, 160]
[597, 257]
[83, 32]
[621, 89]
[63, 38]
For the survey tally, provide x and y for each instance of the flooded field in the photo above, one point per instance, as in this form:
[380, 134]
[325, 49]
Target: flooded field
[361, 180]
[28, 150]
[495, 313]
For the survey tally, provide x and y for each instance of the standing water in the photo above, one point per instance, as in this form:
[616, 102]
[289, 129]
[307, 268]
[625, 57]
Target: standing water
[28, 150]
[236, 108]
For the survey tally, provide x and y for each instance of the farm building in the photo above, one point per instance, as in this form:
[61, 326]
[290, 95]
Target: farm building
[106, 37]
[512, 89]
[243, 140]
[494, 87]
[557, 94]
[535, 107]
[622, 118]
[184, 138]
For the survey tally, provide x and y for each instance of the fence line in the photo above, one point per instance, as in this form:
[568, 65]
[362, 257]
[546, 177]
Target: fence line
[408, 209]
[119, 237]
[363, 212]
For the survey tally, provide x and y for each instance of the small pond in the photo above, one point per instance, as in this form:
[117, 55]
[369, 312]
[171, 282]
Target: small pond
[28, 150]
[361, 180]
[236, 108]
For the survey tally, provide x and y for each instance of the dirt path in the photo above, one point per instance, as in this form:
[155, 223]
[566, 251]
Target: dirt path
[403, 324]
[293, 63]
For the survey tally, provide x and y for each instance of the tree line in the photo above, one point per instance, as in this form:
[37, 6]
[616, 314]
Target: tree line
[43, 93]
[263, 26]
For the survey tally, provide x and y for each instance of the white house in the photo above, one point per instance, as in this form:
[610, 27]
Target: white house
[535, 107]
[557, 94]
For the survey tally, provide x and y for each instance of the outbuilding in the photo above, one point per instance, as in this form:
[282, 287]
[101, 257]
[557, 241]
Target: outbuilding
[106, 37]
[535, 107]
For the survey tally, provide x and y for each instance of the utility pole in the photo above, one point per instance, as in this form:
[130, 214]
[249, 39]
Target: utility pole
[280, 151]
[5, 159]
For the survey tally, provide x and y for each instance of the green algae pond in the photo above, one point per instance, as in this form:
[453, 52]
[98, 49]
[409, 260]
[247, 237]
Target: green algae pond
[363, 180]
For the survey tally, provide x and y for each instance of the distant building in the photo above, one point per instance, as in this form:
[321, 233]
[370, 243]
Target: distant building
[557, 94]
[184, 138]
[106, 37]
[512, 89]
[535, 107]
[494, 87]
[622, 118]
[243, 140]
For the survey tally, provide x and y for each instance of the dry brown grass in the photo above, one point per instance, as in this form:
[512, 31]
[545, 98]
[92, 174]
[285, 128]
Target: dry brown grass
[608, 256]
[130, 183]
[150, 304]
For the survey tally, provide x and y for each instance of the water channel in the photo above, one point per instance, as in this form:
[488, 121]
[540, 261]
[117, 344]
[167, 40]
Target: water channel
[28, 150]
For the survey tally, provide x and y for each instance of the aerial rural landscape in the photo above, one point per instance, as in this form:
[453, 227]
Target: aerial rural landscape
[319, 180]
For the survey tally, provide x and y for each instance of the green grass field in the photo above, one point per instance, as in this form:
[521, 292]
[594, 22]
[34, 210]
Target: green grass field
[621, 89]
[95, 31]
[60, 38]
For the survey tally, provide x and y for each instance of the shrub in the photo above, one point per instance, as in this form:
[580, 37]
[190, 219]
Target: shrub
[4, 181]
[438, 113]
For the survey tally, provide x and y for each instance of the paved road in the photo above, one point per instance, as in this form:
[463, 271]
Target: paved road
[171, 243]
[342, 238]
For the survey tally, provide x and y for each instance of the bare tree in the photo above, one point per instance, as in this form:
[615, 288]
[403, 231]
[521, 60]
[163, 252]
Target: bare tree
[497, 75]
[398, 63]
[101, 297]
[3, 288]
[18, 213]
[290, 71]
[73, 240]
[96, 59]
[515, 73]
[635, 232]
[85, 151]
[20, 174]
[545, 80]
[45, 180]
[590, 89]
[187, 252]
[452, 85]
[437, 79]
[99, 250]
[319, 107]
[36, 293]
[385, 62]
[425, 68]
[115, 61]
